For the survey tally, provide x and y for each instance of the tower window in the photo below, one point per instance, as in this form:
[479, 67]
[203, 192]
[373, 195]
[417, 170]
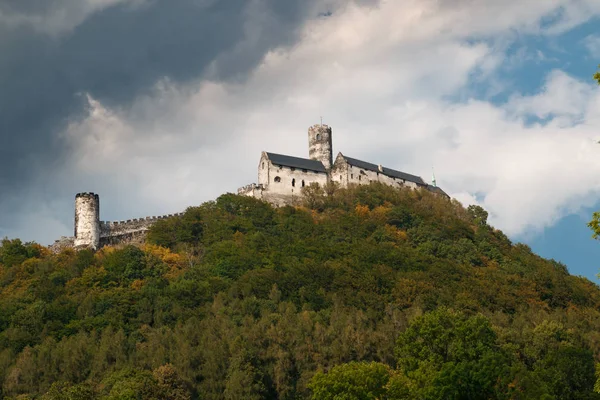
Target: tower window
[263, 165]
[359, 177]
[351, 176]
[318, 136]
[277, 179]
[340, 177]
[302, 182]
[294, 182]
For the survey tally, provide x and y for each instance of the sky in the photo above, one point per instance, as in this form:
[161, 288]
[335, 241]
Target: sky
[158, 105]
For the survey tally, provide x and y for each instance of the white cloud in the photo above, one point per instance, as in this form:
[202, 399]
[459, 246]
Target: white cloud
[592, 43]
[380, 78]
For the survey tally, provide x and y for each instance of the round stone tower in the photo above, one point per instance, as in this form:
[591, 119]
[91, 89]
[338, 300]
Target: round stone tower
[319, 144]
[87, 220]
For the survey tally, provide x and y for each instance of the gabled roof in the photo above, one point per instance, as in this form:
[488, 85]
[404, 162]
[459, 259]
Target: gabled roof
[296, 162]
[386, 171]
[437, 190]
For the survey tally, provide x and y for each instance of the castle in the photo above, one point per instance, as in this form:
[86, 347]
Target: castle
[281, 178]
[280, 182]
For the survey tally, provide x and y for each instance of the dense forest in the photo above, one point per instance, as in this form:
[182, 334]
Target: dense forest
[362, 293]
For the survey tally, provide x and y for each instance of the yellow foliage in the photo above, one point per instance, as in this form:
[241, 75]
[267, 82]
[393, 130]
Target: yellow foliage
[397, 234]
[173, 260]
[137, 284]
[361, 211]
[380, 213]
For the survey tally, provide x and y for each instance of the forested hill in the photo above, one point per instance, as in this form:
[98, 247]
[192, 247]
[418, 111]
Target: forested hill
[367, 293]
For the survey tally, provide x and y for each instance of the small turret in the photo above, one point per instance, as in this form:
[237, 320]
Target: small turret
[87, 220]
[320, 144]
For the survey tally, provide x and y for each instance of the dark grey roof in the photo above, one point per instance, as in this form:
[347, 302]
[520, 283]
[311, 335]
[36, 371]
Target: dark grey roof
[296, 162]
[437, 190]
[386, 171]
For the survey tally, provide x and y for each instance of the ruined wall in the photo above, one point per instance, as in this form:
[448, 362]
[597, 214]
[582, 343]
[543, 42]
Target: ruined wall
[87, 220]
[320, 146]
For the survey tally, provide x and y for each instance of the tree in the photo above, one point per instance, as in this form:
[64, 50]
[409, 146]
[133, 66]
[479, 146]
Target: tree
[352, 381]
[597, 75]
[478, 214]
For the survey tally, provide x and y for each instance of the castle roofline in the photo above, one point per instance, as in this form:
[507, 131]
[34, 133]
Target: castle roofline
[296, 162]
[386, 171]
[437, 190]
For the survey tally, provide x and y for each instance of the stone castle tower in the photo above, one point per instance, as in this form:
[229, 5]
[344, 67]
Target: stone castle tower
[87, 220]
[320, 145]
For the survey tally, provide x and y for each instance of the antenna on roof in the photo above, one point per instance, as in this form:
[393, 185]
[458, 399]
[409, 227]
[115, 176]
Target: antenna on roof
[433, 183]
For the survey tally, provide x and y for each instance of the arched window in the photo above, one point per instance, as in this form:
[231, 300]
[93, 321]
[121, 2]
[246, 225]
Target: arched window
[294, 182]
[277, 179]
[302, 182]
[360, 176]
[318, 136]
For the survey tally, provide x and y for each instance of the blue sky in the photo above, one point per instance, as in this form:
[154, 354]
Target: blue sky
[569, 239]
[114, 97]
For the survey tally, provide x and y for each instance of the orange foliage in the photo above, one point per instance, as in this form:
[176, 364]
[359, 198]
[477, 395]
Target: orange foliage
[361, 211]
[173, 260]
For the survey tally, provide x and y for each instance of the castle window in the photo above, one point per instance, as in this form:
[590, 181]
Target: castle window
[351, 176]
[277, 179]
[318, 136]
[263, 165]
[302, 182]
[340, 177]
[294, 182]
[359, 177]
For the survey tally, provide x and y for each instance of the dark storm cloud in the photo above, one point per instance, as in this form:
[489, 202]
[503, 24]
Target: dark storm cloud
[115, 55]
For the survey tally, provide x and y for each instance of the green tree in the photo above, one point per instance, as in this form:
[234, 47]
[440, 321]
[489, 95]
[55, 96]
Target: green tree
[352, 381]
[66, 391]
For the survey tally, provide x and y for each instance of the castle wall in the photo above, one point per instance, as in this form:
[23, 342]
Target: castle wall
[361, 176]
[263, 169]
[87, 220]
[290, 181]
[117, 232]
[340, 171]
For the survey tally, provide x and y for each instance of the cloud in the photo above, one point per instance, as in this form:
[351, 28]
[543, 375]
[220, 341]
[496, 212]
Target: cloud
[592, 43]
[160, 125]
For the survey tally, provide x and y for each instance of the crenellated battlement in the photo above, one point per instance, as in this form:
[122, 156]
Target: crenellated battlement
[138, 220]
[87, 194]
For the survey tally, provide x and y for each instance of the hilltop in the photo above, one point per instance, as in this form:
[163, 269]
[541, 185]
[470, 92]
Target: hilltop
[361, 291]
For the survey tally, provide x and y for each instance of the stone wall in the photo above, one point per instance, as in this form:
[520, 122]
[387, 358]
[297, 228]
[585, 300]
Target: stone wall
[320, 146]
[132, 230]
[87, 216]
